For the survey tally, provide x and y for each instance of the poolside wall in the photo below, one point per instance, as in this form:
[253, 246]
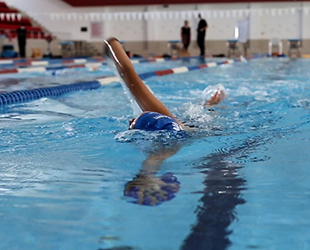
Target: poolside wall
[284, 20]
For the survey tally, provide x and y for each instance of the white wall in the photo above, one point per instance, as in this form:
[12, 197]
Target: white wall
[306, 21]
[283, 25]
[267, 20]
[44, 10]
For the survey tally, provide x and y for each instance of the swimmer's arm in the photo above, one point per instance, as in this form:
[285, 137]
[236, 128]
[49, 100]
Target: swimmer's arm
[152, 163]
[144, 97]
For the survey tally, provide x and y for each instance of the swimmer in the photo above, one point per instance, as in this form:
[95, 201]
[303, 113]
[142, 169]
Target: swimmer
[155, 115]
[147, 188]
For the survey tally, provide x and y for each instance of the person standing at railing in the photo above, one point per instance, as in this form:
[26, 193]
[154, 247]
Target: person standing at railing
[186, 35]
[22, 37]
[201, 33]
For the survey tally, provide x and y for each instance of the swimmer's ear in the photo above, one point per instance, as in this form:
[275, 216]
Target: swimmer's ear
[131, 121]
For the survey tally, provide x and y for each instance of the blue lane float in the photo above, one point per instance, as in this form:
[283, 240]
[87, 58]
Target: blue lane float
[34, 94]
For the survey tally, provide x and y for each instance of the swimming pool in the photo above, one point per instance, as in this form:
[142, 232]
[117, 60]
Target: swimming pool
[243, 177]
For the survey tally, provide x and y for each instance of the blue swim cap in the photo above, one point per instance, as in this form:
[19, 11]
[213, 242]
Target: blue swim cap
[152, 121]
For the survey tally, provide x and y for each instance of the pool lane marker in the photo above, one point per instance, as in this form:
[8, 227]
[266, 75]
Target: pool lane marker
[40, 62]
[186, 69]
[4, 62]
[41, 67]
[108, 80]
[35, 66]
[34, 94]
[29, 63]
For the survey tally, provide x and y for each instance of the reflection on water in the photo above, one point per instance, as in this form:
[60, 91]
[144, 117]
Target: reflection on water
[222, 193]
[7, 83]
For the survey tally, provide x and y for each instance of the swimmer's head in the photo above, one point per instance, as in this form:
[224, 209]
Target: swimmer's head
[153, 121]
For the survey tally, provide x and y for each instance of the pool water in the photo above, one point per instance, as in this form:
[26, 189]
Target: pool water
[243, 174]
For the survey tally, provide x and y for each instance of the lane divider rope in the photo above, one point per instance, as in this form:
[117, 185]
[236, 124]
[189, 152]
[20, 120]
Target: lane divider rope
[41, 62]
[25, 63]
[41, 68]
[36, 66]
[34, 94]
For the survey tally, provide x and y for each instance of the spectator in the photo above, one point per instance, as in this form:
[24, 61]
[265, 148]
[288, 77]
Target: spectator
[22, 36]
[201, 33]
[186, 35]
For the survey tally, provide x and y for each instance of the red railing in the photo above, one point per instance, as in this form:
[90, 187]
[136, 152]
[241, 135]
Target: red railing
[83, 3]
[10, 21]
[3, 5]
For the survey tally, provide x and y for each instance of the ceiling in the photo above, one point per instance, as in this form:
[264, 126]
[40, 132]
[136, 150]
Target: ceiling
[90, 3]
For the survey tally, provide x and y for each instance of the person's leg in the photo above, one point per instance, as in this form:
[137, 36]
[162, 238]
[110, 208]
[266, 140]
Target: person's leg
[203, 52]
[201, 44]
[198, 46]
[114, 52]
[22, 49]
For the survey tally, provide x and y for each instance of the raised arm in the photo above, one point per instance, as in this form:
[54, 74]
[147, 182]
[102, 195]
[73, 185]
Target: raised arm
[144, 97]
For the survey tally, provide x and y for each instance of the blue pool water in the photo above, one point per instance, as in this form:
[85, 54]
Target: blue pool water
[244, 175]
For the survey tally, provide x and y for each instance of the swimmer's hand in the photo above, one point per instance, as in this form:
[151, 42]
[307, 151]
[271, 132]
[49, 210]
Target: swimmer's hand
[150, 190]
[215, 99]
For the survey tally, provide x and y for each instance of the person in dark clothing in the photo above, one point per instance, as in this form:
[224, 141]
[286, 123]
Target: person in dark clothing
[201, 33]
[22, 37]
[186, 35]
